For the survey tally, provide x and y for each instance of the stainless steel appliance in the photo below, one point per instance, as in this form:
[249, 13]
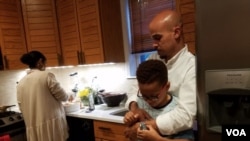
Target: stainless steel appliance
[228, 98]
[12, 124]
[222, 42]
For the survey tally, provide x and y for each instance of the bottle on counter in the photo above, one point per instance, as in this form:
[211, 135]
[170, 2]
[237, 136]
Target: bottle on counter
[91, 101]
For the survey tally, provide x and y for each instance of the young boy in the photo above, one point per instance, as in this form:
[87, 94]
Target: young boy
[153, 97]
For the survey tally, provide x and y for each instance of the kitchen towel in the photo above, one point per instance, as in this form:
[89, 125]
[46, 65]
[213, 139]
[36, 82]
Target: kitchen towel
[5, 138]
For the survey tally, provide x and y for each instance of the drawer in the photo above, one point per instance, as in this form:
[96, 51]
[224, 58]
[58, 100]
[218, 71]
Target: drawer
[109, 130]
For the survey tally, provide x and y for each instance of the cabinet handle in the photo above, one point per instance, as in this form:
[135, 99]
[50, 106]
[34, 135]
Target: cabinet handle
[6, 65]
[83, 58]
[60, 59]
[104, 128]
[79, 57]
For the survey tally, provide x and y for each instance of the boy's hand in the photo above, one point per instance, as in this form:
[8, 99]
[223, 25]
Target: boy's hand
[130, 118]
[148, 135]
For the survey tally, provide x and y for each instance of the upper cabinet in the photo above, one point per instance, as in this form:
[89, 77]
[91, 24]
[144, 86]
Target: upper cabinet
[12, 37]
[111, 30]
[41, 30]
[68, 32]
[187, 11]
[91, 31]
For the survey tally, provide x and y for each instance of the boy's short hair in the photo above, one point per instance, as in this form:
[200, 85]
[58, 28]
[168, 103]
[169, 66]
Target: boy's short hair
[152, 70]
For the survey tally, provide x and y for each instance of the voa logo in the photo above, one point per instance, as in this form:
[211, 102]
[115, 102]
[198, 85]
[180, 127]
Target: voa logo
[236, 132]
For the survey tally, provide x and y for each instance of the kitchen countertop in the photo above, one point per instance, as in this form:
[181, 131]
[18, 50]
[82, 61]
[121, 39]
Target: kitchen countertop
[102, 112]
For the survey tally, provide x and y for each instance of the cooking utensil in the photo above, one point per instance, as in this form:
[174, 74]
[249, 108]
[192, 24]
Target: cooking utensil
[4, 108]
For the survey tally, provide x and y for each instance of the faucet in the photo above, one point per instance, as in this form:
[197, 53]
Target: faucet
[75, 81]
[97, 97]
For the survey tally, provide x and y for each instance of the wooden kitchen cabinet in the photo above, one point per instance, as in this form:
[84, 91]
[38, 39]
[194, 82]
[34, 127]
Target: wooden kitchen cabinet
[41, 29]
[109, 131]
[12, 38]
[100, 31]
[187, 11]
[90, 31]
[69, 32]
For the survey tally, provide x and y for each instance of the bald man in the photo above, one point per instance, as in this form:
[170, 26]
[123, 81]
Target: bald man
[166, 31]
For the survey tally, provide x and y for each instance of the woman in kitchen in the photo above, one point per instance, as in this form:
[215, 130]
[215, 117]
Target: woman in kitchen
[40, 97]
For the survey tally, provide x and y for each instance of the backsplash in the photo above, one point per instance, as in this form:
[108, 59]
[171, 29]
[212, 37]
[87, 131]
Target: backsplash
[111, 77]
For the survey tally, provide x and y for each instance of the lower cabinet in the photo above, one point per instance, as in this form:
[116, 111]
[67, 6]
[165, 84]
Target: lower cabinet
[109, 131]
[80, 129]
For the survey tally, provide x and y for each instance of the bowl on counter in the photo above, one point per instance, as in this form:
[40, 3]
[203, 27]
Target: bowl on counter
[71, 106]
[113, 99]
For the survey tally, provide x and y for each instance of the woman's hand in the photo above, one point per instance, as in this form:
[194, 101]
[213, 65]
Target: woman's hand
[71, 98]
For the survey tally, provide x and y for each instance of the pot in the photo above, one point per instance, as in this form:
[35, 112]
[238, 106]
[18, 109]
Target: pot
[4, 108]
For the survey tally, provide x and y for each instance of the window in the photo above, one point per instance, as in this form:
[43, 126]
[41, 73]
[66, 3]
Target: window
[137, 15]
[141, 12]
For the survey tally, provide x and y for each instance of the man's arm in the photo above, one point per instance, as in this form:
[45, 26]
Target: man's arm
[183, 116]
[174, 121]
[129, 101]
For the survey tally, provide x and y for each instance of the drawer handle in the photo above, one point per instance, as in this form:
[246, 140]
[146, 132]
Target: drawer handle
[105, 128]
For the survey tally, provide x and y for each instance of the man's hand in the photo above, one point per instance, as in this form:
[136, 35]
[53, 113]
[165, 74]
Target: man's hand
[148, 135]
[131, 132]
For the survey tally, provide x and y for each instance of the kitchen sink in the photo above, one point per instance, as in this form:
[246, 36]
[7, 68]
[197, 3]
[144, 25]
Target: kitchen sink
[119, 113]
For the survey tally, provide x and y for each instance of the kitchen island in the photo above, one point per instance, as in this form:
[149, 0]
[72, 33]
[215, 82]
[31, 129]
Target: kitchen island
[103, 123]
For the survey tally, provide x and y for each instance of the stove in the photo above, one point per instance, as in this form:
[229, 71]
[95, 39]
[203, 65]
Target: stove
[9, 118]
[12, 123]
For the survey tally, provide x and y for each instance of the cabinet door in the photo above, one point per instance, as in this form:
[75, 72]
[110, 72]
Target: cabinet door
[111, 27]
[41, 29]
[69, 32]
[98, 139]
[90, 31]
[109, 131]
[187, 11]
[100, 30]
[12, 39]
[80, 129]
